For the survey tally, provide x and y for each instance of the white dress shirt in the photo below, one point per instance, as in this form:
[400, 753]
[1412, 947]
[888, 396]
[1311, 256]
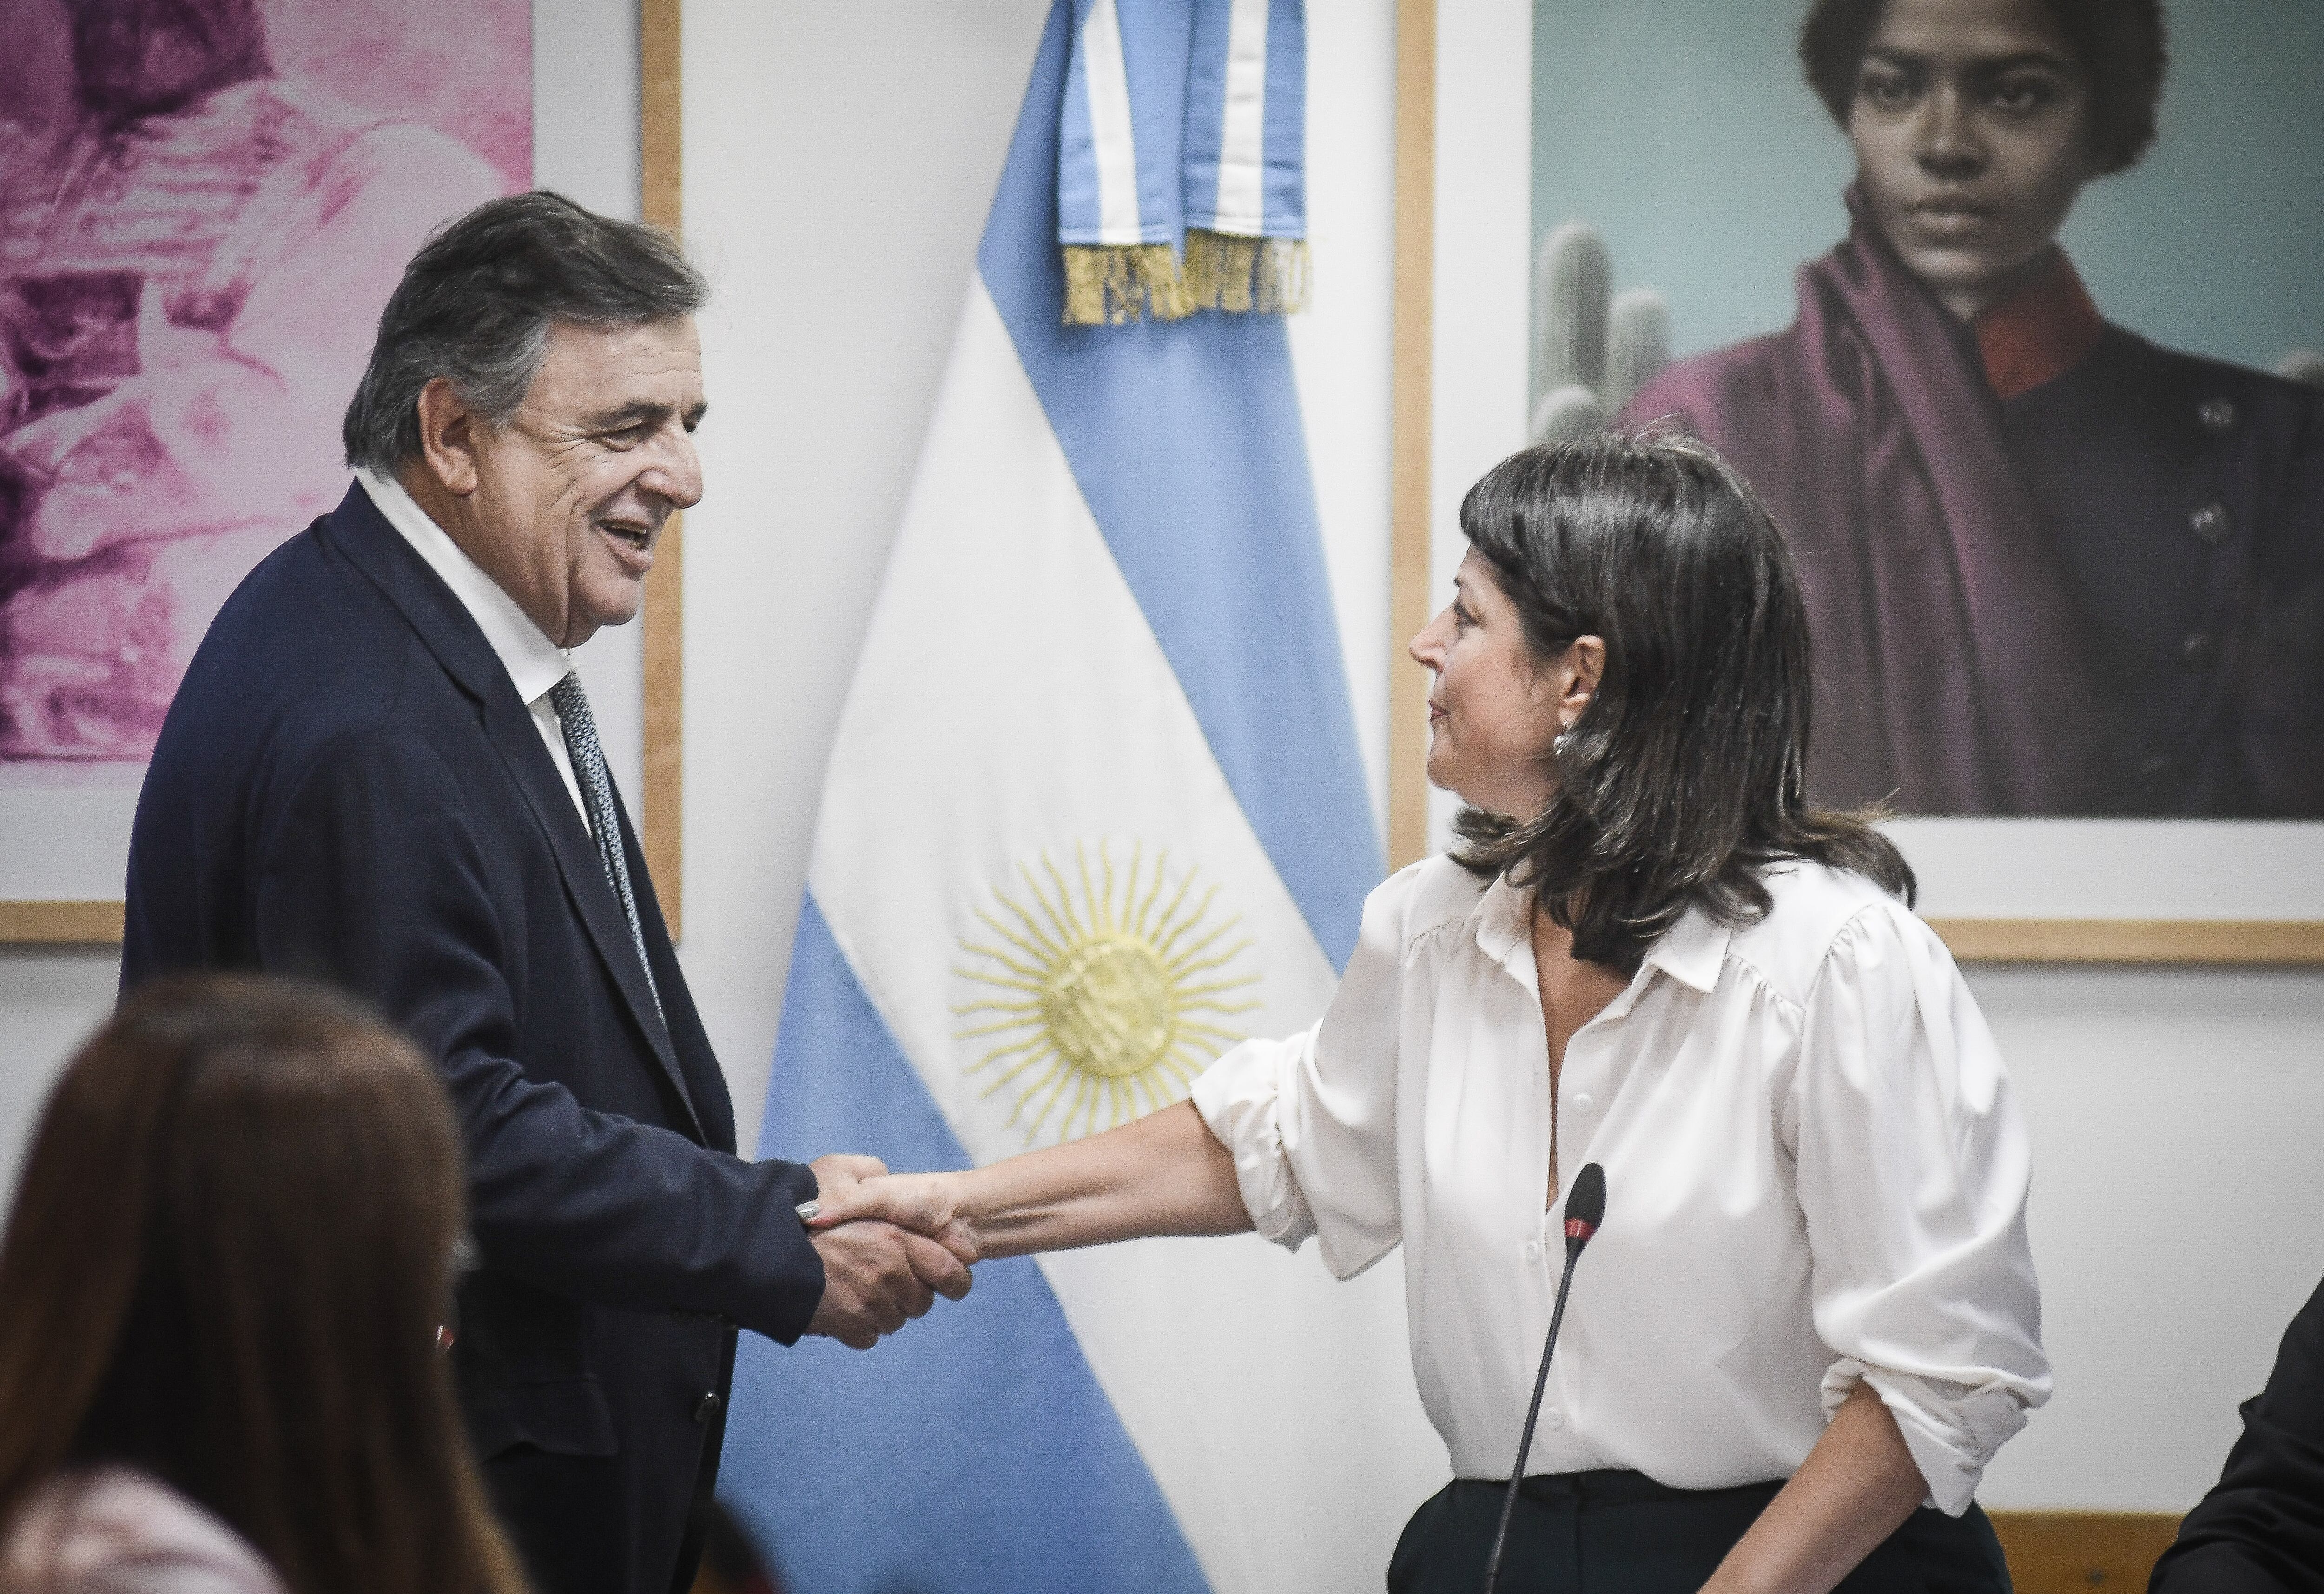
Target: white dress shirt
[534, 663]
[1816, 1174]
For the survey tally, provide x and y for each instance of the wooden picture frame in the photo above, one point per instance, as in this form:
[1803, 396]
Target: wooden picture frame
[1418, 507]
[661, 806]
[661, 803]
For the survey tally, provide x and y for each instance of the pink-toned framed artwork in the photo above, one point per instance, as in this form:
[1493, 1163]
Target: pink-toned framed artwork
[204, 205]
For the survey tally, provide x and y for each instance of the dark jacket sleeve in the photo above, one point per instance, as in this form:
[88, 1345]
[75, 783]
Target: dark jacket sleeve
[2283, 683]
[373, 877]
[2260, 1531]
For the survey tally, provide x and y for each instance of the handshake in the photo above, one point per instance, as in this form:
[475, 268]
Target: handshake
[890, 1244]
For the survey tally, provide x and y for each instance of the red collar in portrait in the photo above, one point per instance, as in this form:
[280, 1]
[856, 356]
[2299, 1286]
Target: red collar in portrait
[2040, 332]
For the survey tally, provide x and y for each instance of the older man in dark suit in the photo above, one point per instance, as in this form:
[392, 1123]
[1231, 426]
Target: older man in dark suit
[381, 771]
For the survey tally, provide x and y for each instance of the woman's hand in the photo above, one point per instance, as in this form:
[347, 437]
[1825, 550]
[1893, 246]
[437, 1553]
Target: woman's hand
[932, 1204]
[1164, 1174]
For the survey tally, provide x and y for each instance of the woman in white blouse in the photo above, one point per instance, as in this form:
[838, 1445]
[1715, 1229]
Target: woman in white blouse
[1810, 1311]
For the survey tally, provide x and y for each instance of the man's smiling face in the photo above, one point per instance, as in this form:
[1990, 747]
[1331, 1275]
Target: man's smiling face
[572, 493]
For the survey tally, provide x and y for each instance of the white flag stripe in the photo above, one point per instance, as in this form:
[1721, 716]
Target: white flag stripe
[1006, 646]
[1242, 143]
[1107, 82]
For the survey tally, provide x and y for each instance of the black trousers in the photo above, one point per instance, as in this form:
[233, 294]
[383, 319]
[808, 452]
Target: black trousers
[1621, 1532]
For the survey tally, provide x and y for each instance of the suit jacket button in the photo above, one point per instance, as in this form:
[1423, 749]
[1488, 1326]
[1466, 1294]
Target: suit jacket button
[706, 1407]
[2218, 414]
[2211, 523]
[2199, 650]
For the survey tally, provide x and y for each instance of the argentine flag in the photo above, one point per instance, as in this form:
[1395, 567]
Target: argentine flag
[1095, 814]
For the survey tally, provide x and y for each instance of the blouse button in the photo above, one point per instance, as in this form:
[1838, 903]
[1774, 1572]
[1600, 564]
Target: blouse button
[1554, 1417]
[1582, 1103]
[1533, 1250]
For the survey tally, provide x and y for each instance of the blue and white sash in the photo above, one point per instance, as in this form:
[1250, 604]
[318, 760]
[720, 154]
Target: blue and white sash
[1184, 127]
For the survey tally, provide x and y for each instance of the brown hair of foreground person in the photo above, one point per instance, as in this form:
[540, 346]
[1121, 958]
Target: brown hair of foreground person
[227, 1264]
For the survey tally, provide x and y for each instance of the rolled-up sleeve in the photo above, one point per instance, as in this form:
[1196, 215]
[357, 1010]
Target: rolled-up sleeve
[1912, 1171]
[1311, 1120]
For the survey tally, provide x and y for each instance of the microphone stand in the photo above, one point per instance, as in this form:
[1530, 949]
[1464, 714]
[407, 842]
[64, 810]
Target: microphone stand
[1584, 1214]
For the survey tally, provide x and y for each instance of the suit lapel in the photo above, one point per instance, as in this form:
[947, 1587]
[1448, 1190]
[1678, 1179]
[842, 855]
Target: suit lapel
[357, 529]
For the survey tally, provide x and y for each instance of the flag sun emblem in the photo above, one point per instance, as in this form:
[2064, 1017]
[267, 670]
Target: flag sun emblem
[1107, 992]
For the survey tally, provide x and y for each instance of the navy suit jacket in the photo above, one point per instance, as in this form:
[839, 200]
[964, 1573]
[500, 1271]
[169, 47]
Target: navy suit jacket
[347, 788]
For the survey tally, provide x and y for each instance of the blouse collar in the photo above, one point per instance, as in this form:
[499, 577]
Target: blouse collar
[1691, 951]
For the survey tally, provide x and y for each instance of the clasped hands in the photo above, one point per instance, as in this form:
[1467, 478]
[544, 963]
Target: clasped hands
[889, 1246]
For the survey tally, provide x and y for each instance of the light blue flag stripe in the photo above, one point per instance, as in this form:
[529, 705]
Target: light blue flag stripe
[1285, 140]
[1185, 438]
[1206, 109]
[1283, 193]
[1157, 113]
[973, 1453]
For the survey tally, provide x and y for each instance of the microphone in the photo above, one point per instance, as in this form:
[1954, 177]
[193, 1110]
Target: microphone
[1585, 1208]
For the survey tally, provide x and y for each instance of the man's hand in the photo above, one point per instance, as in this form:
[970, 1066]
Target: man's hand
[933, 1204]
[875, 1276]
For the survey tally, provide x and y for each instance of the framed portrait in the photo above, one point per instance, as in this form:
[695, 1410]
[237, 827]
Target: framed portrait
[204, 205]
[283, 158]
[2009, 309]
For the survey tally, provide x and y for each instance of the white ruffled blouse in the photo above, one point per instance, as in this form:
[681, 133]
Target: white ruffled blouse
[1816, 1176]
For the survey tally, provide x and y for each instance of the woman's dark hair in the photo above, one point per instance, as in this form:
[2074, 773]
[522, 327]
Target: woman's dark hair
[1685, 775]
[226, 1267]
[476, 304]
[2120, 43]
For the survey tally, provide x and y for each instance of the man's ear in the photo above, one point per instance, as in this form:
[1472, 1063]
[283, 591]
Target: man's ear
[448, 432]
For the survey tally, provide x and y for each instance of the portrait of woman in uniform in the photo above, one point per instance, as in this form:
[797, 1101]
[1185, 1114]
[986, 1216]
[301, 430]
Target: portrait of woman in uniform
[2055, 566]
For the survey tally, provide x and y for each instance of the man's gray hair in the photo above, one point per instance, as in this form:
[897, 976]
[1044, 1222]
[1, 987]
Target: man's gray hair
[476, 304]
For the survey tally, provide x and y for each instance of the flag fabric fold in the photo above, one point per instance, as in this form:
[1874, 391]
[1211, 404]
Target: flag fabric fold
[1094, 813]
[1182, 132]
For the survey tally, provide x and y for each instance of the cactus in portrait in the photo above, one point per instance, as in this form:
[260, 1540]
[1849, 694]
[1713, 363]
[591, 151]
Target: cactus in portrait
[1592, 352]
[1637, 345]
[1565, 413]
[1573, 277]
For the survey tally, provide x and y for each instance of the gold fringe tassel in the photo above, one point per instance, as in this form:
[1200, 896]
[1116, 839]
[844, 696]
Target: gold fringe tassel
[1106, 286]
[1271, 276]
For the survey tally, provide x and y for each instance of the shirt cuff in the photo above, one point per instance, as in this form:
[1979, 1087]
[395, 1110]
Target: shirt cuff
[1240, 1097]
[1953, 1430]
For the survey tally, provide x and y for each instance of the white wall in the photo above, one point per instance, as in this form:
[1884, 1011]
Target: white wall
[839, 160]
[2178, 1214]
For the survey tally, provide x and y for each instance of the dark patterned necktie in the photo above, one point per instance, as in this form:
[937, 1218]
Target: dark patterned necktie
[572, 706]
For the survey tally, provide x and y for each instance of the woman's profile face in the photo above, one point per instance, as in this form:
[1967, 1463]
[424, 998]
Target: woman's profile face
[1972, 128]
[1492, 711]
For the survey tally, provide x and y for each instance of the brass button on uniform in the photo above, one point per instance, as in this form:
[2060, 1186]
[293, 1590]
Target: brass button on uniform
[2218, 414]
[2212, 523]
[2199, 649]
[706, 1407]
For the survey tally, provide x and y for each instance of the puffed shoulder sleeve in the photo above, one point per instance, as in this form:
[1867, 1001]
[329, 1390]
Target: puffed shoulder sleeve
[1913, 1169]
[1311, 1120]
